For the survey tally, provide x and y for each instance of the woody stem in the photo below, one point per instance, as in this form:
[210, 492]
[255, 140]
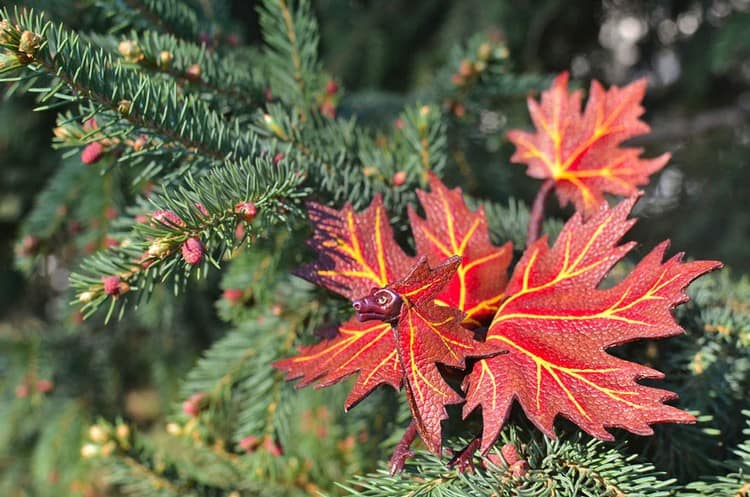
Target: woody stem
[537, 212]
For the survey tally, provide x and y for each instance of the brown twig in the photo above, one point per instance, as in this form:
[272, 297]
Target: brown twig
[401, 452]
[537, 212]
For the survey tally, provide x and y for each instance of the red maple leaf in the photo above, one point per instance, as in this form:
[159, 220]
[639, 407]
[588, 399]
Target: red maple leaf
[555, 326]
[581, 151]
[405, 353]
[451, 228]
[356, 252]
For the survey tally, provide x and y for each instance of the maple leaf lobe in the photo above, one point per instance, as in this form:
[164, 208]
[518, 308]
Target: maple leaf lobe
[582, 151]
[450, 228]
[367, 348]
[356, 252]
[556, 324]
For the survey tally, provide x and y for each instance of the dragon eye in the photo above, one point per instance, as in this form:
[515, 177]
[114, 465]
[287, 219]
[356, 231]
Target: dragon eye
[382, 300]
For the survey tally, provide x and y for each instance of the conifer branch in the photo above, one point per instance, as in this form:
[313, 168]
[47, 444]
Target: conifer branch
[137, 479]
[737, 482]
[174, 17]
[188, 228]
[571, 467]
[147, 104]
[478, 76]
[347, 165]
[191, 65]
[291, 34]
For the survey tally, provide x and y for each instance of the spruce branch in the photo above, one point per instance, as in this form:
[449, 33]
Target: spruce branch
[193, 66]
[735, 483]
[188, 228]
[79, 71]
[479, 76]
[236, 367]
[346, 164]
[290, 32]
[173, 17]
[709, 368]
[131, 463]
[569, 467]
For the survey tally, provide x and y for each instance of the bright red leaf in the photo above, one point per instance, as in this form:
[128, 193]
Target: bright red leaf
[555, 326]
[428, 334]
[368, 347]
[356, 252]
[451, 228]
[581, 150]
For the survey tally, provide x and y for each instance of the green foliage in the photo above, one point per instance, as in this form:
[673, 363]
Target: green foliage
[291, 35]
[569, 467]
[171, 16]
[736, 482]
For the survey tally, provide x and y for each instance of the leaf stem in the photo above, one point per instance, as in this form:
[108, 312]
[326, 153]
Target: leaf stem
[537, 212]
[464, 458]
[401, 452]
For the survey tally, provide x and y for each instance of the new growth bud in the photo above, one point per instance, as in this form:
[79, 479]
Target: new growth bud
[193, 73]
[89, 450]
[159, 249]
[6, 32]
[192, 251]
[85, 297]
[130, 51]
[247, 210]
[29, 43]
[123, 107]
[98, 434]
[165, 59]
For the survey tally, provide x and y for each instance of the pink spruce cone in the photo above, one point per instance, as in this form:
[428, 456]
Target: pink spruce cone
[92, 153]
[167, 217]
[192, 406]
[202, 209]
[111, 285]
[192, 251]
[247, 210]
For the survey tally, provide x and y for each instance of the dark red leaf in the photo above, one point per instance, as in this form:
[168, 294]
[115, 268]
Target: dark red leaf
[556, 325]
[428, 334]
[356, 252]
